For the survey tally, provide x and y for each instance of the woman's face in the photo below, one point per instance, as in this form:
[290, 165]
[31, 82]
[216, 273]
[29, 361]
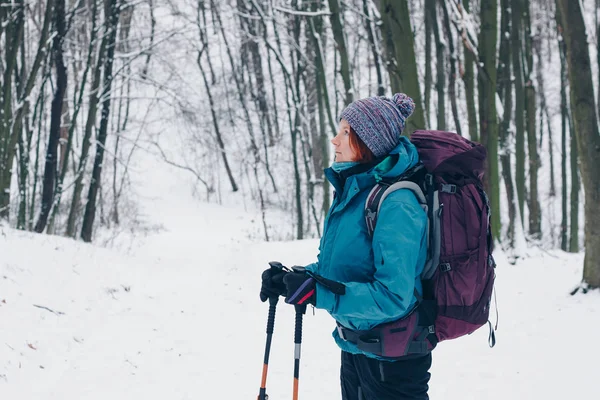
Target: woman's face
[341, 142]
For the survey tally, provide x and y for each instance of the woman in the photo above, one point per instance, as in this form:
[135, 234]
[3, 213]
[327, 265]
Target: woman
[381, 275]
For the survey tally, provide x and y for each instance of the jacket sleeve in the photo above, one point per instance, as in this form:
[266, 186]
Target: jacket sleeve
[399, 251]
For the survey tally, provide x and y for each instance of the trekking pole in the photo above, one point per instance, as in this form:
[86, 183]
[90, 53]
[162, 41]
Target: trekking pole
[300, 310]
[262, 394]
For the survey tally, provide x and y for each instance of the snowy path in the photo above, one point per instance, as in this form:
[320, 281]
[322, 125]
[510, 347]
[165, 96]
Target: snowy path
[179, 318]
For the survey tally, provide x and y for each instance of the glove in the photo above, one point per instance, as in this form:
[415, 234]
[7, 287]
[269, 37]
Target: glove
[300, 288]
[272, 283]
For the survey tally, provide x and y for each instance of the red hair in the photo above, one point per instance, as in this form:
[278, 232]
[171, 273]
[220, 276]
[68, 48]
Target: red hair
[363, 153]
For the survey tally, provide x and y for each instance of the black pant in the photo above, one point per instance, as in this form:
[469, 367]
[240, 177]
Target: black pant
[365, 378]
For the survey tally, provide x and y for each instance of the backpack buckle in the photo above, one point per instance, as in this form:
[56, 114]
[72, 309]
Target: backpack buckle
[429, 179]
[431, 329]
[445, 267]
[341, 332]
[448, 188]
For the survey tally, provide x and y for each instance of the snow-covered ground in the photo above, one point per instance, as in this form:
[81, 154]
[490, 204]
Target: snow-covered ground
[177, 316]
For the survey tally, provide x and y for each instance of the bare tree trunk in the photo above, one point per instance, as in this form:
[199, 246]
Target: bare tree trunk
[221, 144]
[321, 144]
[544, 111]
[14, 34]
[440, 63]
[23, 174]
[535, 217]
[48, 186]
[125, 19]
[77, 107]
[324, 146]
[295, 133]
[468, 79]
[254, 67]
[517, 55]
[273, 89]
[321, 71]
[311, 150]
[237, 79]
[597, 21]
[564, 241]
[23, 159]
[340, 42]
[75, 207]
[535, 213]
[253, 144]
[319, 137]
[429, 12]
[574, 167]
[311, 83]
[64, 131]
[402, 64]
[505, 91]
[40, 119]
[23, 113]
[294, 88]
[3, 17]
[488, 118]
[387, 39]
[144, 73]
[122, 116]
[586, 131]
[257, 70]
[453, 60]
[374, 47]
[112, 9]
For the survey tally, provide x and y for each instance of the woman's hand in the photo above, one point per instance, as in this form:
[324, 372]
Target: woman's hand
[300, 287]
[272, 281]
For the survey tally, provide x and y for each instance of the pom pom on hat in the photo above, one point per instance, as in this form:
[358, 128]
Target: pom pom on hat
[405, 104]
[379, 121]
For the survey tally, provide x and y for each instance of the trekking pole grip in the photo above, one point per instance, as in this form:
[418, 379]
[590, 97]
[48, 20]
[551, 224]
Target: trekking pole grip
[271, 318]
[300, 310]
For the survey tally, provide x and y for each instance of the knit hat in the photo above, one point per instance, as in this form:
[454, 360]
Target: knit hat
[379, 121]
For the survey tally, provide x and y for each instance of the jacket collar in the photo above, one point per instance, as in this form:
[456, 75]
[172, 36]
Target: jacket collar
[357, 172]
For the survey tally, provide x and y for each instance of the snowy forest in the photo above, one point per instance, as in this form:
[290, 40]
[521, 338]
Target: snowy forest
[244, 96]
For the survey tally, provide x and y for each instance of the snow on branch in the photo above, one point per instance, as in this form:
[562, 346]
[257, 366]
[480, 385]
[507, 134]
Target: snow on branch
[463, 21]
[465, 25]
[302, 13]
[49, 309]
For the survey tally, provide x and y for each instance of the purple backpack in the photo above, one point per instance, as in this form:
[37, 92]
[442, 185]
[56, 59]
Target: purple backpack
[458, 277]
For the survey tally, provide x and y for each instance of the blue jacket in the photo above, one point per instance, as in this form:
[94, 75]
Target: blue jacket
[380, 274]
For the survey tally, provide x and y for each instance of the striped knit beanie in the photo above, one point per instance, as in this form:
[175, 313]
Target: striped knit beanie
[379, 121]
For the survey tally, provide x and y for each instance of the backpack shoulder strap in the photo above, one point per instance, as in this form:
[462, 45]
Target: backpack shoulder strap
[380, 192]
[430, 204]
[372, 206]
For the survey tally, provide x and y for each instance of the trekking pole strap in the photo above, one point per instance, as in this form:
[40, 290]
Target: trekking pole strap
[333, 286]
